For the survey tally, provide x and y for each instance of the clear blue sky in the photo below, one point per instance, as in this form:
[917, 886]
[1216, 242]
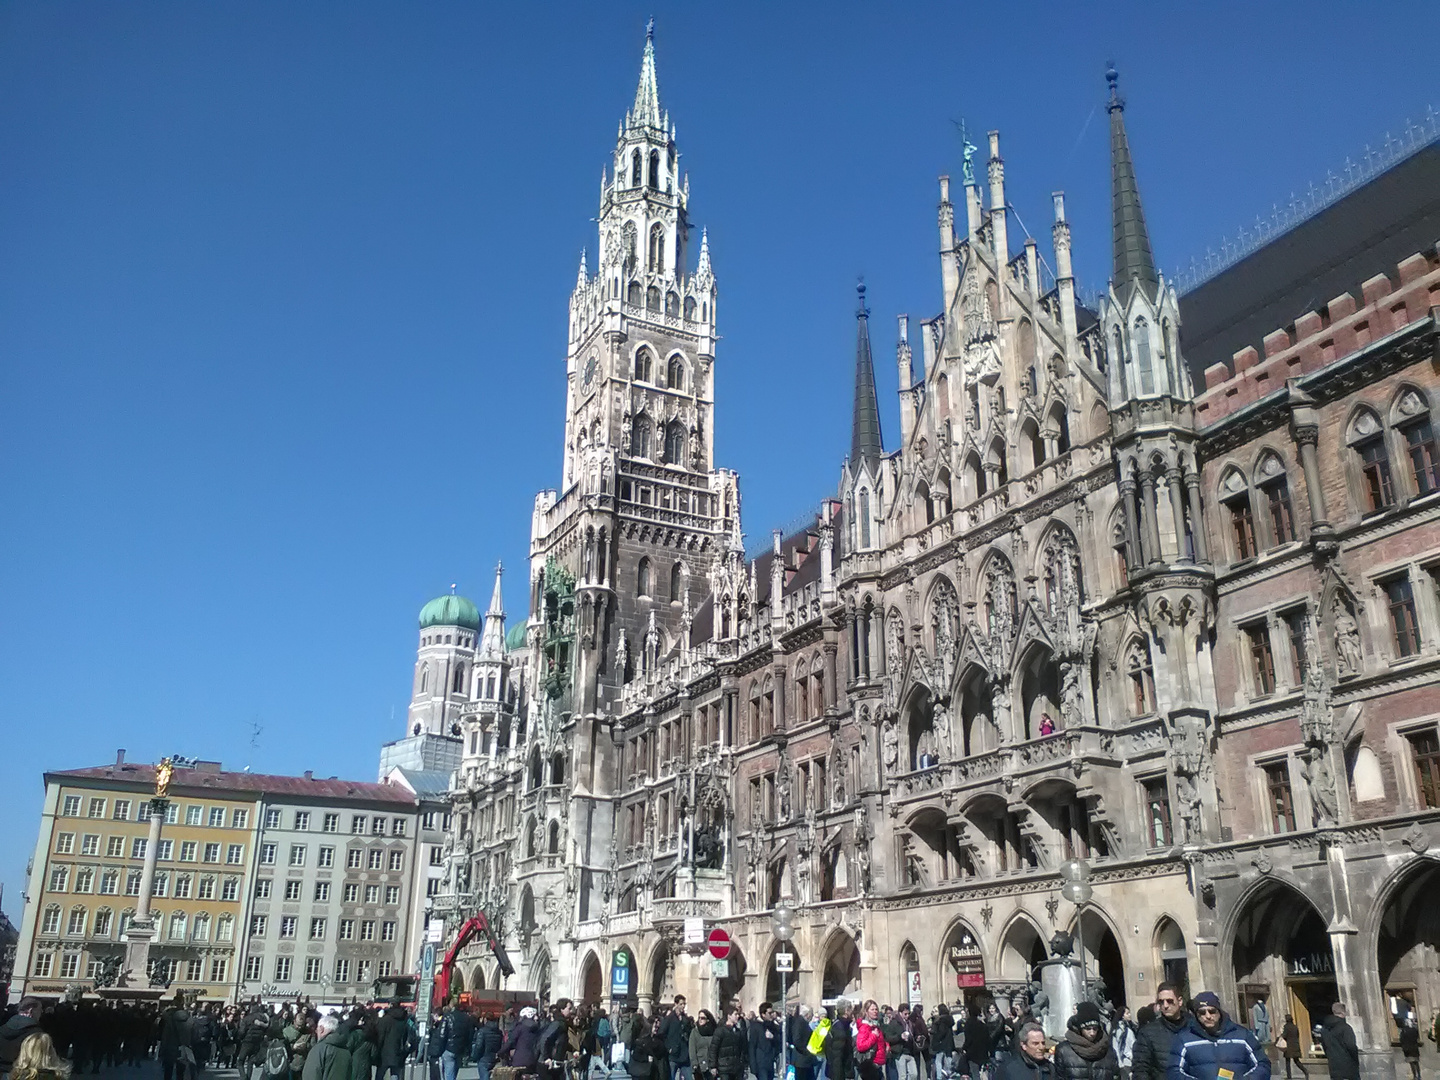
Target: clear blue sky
[283, 296]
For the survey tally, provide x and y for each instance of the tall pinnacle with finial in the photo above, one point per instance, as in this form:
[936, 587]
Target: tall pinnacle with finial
[646, 111]
[1134, 262]
[866, 444]
[492, 643]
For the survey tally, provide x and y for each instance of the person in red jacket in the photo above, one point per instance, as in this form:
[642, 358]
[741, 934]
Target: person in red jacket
[870, 1043]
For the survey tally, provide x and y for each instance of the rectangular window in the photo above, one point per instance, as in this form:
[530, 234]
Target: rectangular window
[71, 806]
[60, 879]
[132, 883]
[432, 887]
[240, 819]
[397, 860]
[354, 858]
[230, 889]
[272, 818]
[258, 925]
[372, 894]
[346, 930]
[378, 826]
[297, 854]
[262, 888]
[326, 858]
[194, 969]
[364, 970]
[217, 817]
[122, 809]
[1375, 467]
[109, 882]
[352, 892]
[342, 971]
[165, 850]
[1424, 462]
[65, 843]
[218, 969]
[392, 894]
[357, 824]
[212, 852]
[427, 820]
[69, 965]
[317, 929]
[1242, 526]
[292, 890]
[397, 827]
[161, 885]
[1297, 625]
[1282, 519]
[1262, 660]
[42, 964]
[187, 850]
[235, 854]
[193, 814]
[267, 854]
[312, 969]
[206, 891]
[367, 930]
[90, 844]
[376, 858]
[332, 822]
[97, 808]
[282, 969]
[287, 926]
[1277, 789]
[1401, 600]
[1426, 747]
[252, 967]
[384, 968]
[137, 847]
[115, 847]
[172, 814]
[437, 856]
[322, 892]
[387, 931]
[302, 821]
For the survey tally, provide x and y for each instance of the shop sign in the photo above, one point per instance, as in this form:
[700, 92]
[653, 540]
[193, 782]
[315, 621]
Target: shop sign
[968, 963]
[620, 974]
[1319, 962]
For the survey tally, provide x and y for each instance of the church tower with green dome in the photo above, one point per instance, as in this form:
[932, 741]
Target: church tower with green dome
[444, 665]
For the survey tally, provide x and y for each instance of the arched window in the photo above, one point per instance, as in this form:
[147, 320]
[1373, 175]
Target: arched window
[1235, 498]
[557, 768]
[672, 304]
[677, 581]
[642, 578]
[652, 299]
[177, 926]
[635, 296]
[675, 376]
[532, 839]
[103, 918]
[554, 846]
[75, 927]
[1412, 420]
[942, 399]
[225, 928]
[1034, 442]
[635, 175]
[675, 443]
[424, 678]
[1367, 439]
[655, 170]
[974, 476]
[1060, 421]
[1119, 347]
[644, 364]
[689, 309]
[656, 260]
[864, 523]
[1274, 489]
[923, 505]
[1142, 678]
[459, 680]
[109, 882]
[817, 688]
[640, 437]
[1143, 370]
[755, 732]
[997, 458]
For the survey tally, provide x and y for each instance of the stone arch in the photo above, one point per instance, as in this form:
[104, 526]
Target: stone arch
[1171, 956]
[840, 974]
[734, 981]
[1104, 952]
[458, 984]
[477, 977]
[1404, 926]
[540, 974]
[660, 973]
[942, 608]
[921, 738]
[1032, 446]
[978, 730]
[962, 936]
[772, 977]
[1040, 713]
[592, 987]
[1276, 946]
[1022, 946]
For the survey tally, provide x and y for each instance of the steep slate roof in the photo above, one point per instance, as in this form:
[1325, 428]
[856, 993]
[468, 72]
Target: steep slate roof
[1367, 232]
[199, 781]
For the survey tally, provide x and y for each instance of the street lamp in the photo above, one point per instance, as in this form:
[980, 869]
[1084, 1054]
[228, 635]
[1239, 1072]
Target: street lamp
[782, 925]
[1075, 873]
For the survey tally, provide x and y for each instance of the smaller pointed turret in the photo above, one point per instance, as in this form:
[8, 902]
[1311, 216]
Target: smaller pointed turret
[492, 643]
[584, 274]
[1133, 259]
[866, 445]
[703, 267]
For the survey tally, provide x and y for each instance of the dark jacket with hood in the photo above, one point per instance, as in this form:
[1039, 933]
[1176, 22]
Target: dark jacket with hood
[1342, 1055]
[329, 1059]
[1078, 1058]
[729, 1050]
[977, 1039]
[1150, 1060]
[1021, 1066]
[942, 1033]
[14, 1032]
[394, 1037]
[840, 1050]
[523, 1044]
[1197, 1054]
[176, 1030]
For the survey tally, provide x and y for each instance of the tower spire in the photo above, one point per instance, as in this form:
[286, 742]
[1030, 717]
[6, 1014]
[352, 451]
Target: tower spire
[865, 442]
[492, 644]
[1133, 259]
[646, 111]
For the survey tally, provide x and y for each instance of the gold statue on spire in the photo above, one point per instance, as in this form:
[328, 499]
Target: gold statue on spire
[163, 772]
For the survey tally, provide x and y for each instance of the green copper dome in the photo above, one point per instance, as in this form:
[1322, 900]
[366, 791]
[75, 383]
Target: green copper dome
[450, 611]
[515, 636]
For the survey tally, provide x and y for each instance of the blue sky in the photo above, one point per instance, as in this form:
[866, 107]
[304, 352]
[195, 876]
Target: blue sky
[283, 296]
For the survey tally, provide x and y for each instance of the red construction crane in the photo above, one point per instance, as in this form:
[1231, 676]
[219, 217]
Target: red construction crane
[476, 924]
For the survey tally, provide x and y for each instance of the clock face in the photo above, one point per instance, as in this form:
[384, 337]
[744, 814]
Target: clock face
[590, 366]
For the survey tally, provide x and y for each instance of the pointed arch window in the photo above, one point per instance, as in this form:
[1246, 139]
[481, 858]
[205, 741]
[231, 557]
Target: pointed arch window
[635, 296]
[1413, 421]
[675, 375]
[642, 578]
[652, 299]
[644, 364]
[864, 516]
[1143, 369]
[675, 443]
[458, 683]
[1235, 498]
[655, 170]
[635, 175]
[677, 581]
[640, 437]
[1141, 674]
[1119, 347]
[923, 503]
[1274, 488]
[1367, 439]
[424, 678]
[656, 261]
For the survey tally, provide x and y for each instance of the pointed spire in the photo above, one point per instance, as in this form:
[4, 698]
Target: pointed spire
[492, 643]
[1133, 259]
[865, 442]
[647, 95]
[584, 274]
[703, 267]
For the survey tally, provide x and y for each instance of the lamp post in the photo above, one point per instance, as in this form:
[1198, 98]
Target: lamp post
[1075, 873]
[782, 925]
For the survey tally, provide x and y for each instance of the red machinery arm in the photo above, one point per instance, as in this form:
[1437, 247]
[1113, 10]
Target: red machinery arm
[476, 924]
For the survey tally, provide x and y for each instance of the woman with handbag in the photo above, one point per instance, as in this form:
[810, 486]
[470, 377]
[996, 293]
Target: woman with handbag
[1289, 1046]
[870, 1045]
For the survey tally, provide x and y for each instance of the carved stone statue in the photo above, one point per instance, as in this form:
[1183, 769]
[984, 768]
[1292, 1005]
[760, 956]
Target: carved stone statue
[782, 789]
[1187, 792]
[1347, 641]
[1071, 709]
[709, 851]
[890, 744]
[1320, 779]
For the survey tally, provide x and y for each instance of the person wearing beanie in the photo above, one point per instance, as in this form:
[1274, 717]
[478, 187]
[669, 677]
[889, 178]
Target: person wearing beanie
[1212, 1046]
[1085, 1053]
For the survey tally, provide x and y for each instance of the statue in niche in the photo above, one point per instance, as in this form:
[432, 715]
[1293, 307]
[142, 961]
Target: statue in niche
[1071, 707]
[782, 789]
[1187, 792]
[944, 731]
[1320, 780]
[709, 851]
[1347, 641]
[890, 745]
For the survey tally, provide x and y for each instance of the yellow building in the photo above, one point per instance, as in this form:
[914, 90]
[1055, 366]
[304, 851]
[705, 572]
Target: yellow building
[85, 879]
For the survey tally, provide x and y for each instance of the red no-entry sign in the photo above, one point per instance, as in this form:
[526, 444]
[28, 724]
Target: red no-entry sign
[719, 942]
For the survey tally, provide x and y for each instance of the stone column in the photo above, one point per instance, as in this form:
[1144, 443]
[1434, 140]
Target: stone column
[142, 930]
[1132, 529]
[1197, 520]
[1177, 507]
[1305, 431]
[1147, 517]
[831, 650]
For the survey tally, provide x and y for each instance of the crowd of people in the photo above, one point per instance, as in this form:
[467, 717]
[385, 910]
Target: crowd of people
[1169, 1039]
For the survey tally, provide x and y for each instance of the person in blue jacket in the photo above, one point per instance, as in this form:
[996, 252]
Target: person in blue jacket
[1214, 1047]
